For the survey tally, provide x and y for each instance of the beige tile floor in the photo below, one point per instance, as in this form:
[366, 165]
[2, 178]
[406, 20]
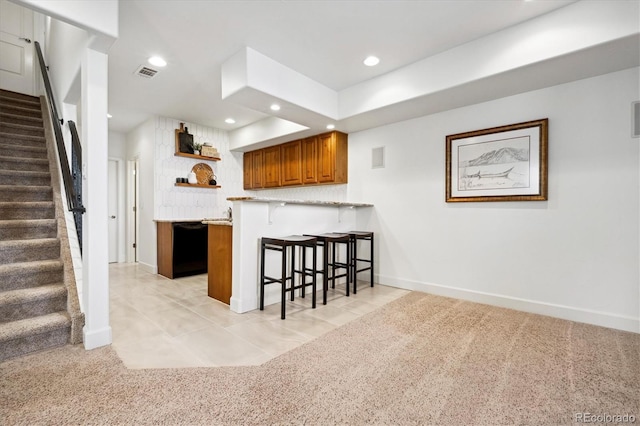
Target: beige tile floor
[162, 323]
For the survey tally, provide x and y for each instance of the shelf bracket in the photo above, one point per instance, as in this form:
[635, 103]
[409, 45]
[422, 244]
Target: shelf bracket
[273, 207]
[341, 210]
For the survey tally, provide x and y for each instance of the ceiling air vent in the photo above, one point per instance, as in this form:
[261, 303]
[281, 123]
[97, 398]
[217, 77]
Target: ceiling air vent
[145, 72]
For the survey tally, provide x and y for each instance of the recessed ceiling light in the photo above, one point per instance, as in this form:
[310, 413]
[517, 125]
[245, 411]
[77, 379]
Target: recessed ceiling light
[371, 61]
[157, 61]
[109, 115]
[230, 121]
[331, 126]
[275, 107]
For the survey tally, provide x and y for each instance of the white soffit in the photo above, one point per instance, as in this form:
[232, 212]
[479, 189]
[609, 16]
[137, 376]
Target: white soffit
[551, 47]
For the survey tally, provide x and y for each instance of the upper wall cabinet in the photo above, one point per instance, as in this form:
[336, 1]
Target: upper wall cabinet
[321, 159]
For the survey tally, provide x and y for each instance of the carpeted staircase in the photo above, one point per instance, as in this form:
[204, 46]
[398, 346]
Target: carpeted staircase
[33, 293]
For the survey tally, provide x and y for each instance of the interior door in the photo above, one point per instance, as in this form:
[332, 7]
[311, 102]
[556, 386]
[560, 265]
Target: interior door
[113, 210]
[16, 48]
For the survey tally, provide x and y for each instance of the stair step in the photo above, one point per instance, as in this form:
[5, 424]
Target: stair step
[20, 108]
[22, 178]
[25, 193]
[14, 150]
[27, 164]
[19, 275]
[9, 138]
[29, 250]
[21, 129]
[28, 229]
[6, 117]
[25, 303]
[34, 334]
[7, 94]
[29, 209]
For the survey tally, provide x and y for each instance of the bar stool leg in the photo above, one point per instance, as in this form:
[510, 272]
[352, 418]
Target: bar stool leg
[283, 281]
[325, 274]
[313, 277]
[262, 276]
[371, 260]
[354, 264]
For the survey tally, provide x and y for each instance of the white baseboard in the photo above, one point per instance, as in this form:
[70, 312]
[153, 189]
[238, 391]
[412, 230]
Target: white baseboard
[152, 269]
[96, 338]
[604, 319]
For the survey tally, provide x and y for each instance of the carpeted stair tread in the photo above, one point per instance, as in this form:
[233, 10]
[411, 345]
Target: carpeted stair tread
[21, 129]
[28, 229]
[18, 275]
[7, 117]
[33, 326]
[13, 150]
[16, 305]
[29, 209]
[8, 94]
[25, 193]
[24, 163]
[28, 178]
[10, 138]
[22, 109]
[29, 250]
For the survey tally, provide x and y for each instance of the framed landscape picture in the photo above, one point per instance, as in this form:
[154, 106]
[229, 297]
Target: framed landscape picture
[507, 163]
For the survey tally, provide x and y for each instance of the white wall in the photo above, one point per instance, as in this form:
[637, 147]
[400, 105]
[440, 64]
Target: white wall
[575, 256]
[63, 57]
[141, 146]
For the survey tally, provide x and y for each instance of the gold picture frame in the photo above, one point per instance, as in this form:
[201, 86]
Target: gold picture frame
[506, 163]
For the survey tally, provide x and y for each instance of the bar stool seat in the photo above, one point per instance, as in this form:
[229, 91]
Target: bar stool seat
[356, 236]
[288, 272]
[328, 243]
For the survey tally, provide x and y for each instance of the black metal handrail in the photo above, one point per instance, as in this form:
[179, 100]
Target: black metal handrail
[72, 183]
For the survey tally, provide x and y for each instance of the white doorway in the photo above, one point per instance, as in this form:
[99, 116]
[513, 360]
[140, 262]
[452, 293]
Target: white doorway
[16, 48]
[113, 210]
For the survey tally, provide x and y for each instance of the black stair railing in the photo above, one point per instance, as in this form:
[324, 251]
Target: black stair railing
[72, 182]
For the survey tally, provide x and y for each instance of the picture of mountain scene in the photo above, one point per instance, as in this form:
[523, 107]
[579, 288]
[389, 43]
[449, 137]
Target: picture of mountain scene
[497, 164]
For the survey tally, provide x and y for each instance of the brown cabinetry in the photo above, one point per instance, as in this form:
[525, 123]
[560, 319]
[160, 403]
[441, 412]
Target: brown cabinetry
[272, 166]
[321, 159]
[291, 165]
[310, 160]
[220, 262]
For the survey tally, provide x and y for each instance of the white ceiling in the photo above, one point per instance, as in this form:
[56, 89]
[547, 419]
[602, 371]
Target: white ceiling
[323, 40]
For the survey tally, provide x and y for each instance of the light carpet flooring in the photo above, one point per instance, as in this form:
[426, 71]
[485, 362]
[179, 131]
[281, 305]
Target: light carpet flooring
[161, 323]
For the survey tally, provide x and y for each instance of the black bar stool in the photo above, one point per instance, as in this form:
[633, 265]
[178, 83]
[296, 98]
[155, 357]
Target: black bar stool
[356, 236]
[328, 243]
[287, 245]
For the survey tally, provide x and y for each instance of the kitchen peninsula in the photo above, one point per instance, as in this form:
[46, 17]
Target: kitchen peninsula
[254, 218]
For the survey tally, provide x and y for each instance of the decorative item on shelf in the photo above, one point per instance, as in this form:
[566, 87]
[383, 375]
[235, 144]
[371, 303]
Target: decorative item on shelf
[184, 140]
[203, 173]
[196, 148]
[213, 181]
[193, 179]
[209, 151]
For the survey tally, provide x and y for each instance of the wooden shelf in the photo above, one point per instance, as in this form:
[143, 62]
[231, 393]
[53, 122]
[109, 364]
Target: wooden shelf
[197, 185]
[197, 157]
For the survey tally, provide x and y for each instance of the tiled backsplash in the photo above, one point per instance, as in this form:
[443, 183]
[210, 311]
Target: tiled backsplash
[177, 202]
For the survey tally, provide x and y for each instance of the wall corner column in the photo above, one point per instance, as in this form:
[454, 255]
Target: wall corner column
[95, 293]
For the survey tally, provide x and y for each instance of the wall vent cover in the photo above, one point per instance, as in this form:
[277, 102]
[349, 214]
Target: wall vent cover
[145, 72]
[377, 158]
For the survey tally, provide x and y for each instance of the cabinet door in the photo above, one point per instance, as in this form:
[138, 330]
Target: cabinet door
[310, 160]
[272, 166]
[247, 168]
[326, 158]
[291, 163]
[257, 168]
